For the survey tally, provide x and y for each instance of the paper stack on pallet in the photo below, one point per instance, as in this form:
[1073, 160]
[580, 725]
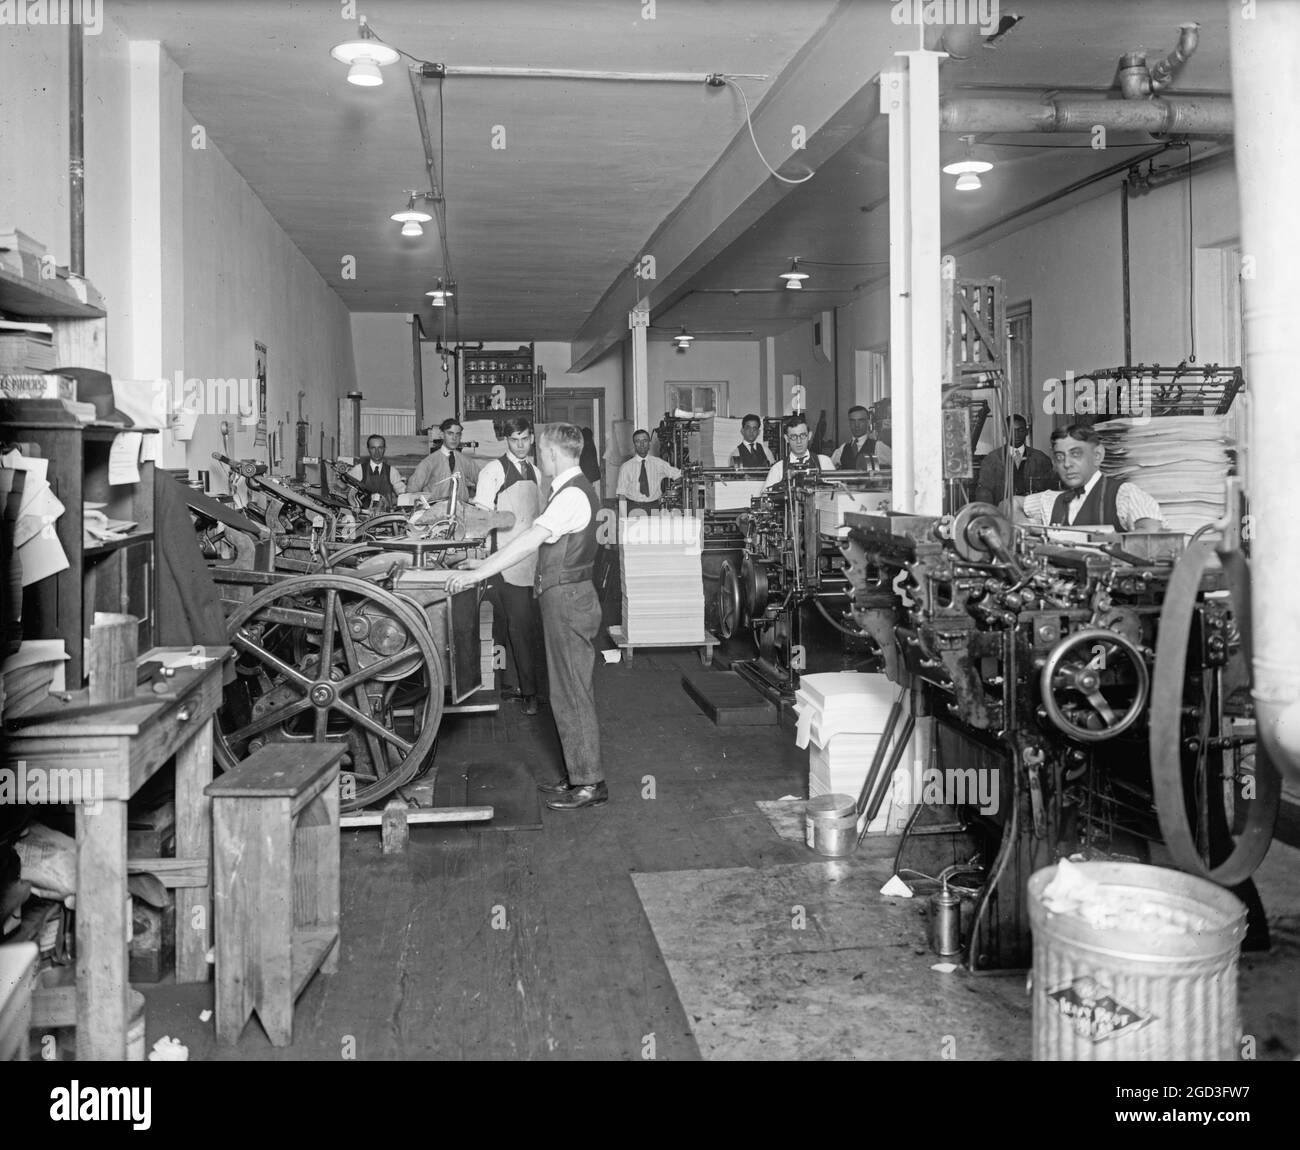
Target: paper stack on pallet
[1181, 461]
[662, 578]
[841, 717]
[487, 647]
[719, 437]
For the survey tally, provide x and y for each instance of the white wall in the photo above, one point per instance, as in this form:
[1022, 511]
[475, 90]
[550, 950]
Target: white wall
[381, 346]
[795, 354]
[1069, 268]
[734, 362]
[34, 194]
[245, 281]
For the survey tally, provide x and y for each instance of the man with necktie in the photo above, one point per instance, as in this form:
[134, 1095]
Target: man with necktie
[1031, 469]
[433, 473]
[796, 439]
[377, 476]
[640, 479]
[752, 452]
[510, 484]
[1090, 499]
[858, 453]
[563, 537]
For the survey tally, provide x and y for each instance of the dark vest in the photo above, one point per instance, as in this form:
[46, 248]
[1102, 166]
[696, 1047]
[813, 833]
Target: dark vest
[512, 475]
[849, 457]
[380, 483]
[1098, 508]
[571, 558]
[752, 455]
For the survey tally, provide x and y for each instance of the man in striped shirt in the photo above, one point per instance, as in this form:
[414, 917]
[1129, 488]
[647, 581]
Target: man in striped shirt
[1090, 498]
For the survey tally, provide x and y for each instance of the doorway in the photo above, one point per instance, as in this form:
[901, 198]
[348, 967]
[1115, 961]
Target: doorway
[582, 407]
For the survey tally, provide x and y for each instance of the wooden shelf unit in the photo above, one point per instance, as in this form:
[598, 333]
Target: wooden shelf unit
[501, 385]
[117, 577]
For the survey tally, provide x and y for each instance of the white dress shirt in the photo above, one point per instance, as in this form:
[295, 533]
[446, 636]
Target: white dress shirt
[568, 511]
[1131, 504]
[493, 476]
[656, 471]
[777, 471]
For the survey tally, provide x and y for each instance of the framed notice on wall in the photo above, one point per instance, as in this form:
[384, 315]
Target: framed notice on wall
[259, 375]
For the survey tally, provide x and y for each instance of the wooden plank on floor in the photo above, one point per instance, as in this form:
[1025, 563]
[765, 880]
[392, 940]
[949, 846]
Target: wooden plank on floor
[728, 700]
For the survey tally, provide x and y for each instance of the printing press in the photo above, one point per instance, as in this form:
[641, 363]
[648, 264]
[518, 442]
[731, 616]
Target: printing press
[1035, 653]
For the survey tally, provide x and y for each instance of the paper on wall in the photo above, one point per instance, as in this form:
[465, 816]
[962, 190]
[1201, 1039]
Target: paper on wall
[150, 448]
[123, 458]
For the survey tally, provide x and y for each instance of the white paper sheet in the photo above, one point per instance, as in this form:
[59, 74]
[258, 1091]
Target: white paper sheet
[123, 458]
[42, 555]
[150, 448]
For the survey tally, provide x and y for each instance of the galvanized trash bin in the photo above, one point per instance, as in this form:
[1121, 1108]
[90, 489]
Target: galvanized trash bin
[1145, 971]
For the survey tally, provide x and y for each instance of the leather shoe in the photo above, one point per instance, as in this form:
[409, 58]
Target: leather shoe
[592, 795]
[559, 787]
[530, 704]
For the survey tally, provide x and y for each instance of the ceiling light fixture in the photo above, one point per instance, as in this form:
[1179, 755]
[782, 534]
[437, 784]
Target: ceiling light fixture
[794, 277]
[365, 56]
[412, 217]
[683, 339]
[968, 169]
[441, 294]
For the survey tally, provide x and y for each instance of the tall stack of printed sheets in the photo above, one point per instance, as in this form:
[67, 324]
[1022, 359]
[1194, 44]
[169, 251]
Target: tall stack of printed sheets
[662, 579]
[841, 717]
[719, 437]
[1181, 461]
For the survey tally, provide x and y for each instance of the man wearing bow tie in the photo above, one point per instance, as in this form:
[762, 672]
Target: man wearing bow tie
[797, 453]
[377, 476]
[1090, 499]
[1031, 469]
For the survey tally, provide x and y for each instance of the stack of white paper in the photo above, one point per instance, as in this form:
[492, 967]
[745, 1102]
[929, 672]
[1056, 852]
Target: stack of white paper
[731, 494]
[1181, 461]
[719, 437]
[35, 537]
[662, 579]
[31, 674]
[841, 717]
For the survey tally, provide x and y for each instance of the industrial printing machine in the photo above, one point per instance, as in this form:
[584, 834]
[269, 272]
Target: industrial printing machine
[1038, 660]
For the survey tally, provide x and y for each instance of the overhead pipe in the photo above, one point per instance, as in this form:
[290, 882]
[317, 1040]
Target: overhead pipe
[1182, 116]
[1162, 74]
[1265, 80]
[76, 152]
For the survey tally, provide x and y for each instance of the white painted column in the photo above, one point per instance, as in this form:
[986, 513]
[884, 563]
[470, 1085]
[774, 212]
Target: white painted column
[924, 254]
[894, 104]
[771, 399]
[157, 225]
[638, 319]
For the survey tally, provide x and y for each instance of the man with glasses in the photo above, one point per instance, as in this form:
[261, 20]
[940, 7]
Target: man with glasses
[797, 453]
[511, 484]
[433, 474]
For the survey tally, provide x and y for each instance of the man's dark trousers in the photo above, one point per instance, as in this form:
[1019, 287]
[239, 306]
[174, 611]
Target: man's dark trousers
[517, 626]
[571, 621]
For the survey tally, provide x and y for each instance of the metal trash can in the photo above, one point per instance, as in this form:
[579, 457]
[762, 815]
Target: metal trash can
[1145, 972]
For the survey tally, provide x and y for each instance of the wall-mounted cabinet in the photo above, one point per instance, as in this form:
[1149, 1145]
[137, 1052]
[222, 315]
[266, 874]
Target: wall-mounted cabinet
[501, 385]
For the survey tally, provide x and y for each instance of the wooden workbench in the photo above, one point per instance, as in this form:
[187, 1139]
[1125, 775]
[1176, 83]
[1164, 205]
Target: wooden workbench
[123, 747]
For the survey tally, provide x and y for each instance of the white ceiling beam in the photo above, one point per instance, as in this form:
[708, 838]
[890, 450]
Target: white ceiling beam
[826, 95]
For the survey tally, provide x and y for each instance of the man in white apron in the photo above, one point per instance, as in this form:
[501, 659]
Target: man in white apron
[511, 484]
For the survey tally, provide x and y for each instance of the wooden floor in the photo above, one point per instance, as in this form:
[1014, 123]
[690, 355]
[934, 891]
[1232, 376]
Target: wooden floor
[428, 972]
[533, 944]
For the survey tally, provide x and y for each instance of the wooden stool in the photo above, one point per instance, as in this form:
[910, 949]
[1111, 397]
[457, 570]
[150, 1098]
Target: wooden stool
[275, 822]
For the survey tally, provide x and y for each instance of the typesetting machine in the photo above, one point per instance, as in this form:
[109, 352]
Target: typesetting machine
[1038, 659]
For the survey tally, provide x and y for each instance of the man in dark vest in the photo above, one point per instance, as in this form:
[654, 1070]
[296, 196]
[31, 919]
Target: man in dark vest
[1090, 499]
[1031, 469]
[377, 476]
[858, 453]
[752, 451]
[510, 484]
[564, 538]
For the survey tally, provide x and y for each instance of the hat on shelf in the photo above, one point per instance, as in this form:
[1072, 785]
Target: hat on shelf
[96, 387]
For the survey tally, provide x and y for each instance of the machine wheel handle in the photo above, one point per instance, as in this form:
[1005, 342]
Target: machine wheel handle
[1083, 675]
[728, 600]
[1166, 724]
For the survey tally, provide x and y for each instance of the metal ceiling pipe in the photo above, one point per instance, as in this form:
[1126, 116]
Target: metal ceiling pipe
[1162, 73]
[1183, 116]
[76, 153]
[1265, 84]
